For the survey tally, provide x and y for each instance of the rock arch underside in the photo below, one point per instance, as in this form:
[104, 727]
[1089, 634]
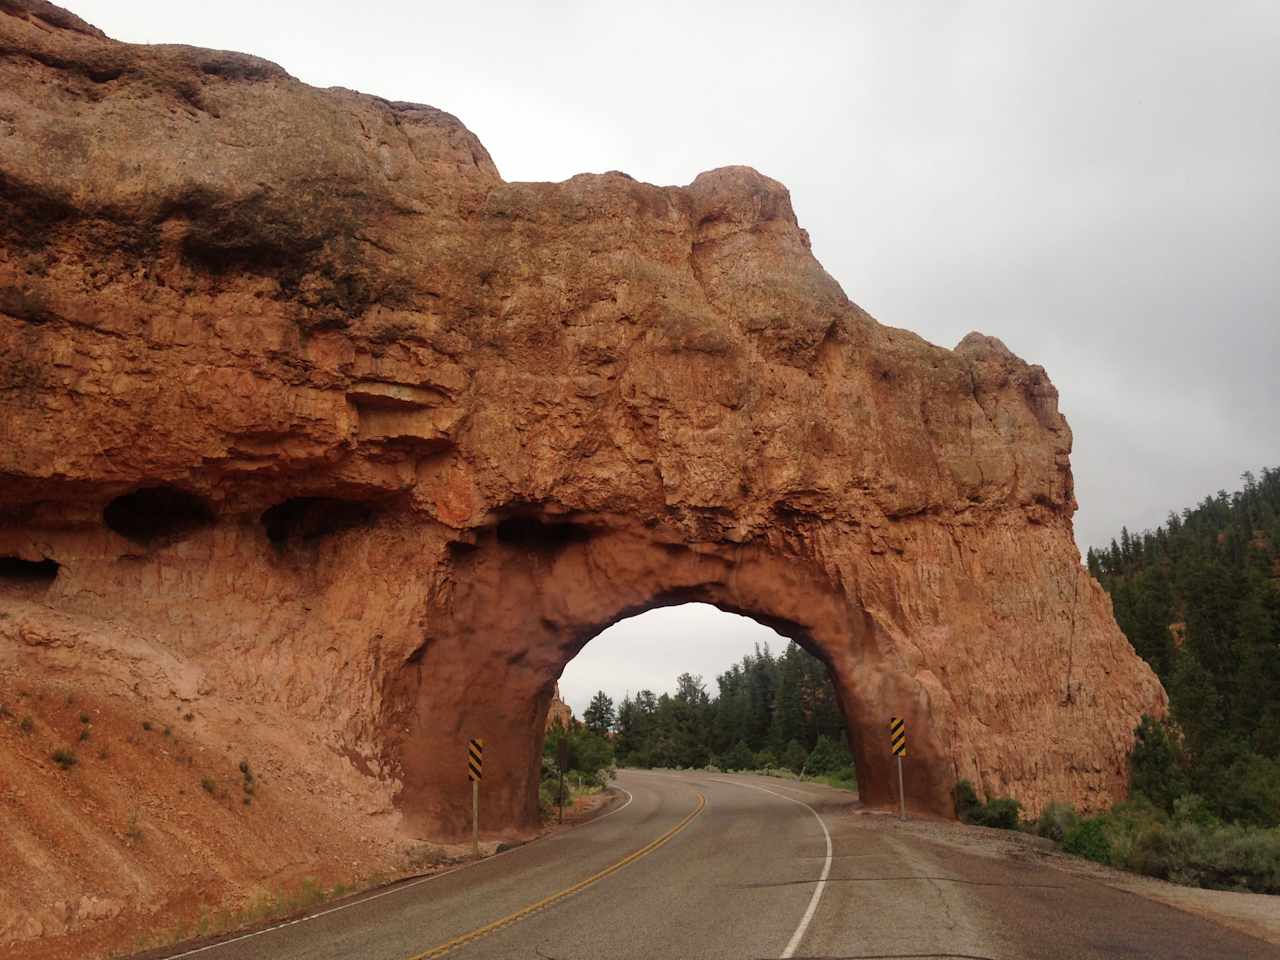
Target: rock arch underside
[304, 409]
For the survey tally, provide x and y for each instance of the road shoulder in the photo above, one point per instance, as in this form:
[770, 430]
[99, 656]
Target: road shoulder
[1254, 914]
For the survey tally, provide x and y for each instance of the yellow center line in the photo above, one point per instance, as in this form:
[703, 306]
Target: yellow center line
[525, 912]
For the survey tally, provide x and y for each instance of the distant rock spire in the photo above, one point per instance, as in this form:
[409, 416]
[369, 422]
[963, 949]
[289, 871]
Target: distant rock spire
[560, 712]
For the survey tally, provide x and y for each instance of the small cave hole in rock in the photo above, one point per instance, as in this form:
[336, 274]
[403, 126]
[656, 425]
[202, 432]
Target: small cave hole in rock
[691, 685]
[309, 518]
[155, 513]
[530, 533]
[28, 571]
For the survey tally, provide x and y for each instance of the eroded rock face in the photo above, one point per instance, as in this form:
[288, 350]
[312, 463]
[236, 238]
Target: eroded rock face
[295, 386]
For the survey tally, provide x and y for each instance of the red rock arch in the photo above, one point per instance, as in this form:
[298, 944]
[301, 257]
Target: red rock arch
[441, 428]
[907, 639]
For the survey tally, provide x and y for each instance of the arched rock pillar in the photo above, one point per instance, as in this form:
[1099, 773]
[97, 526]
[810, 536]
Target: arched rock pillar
[515, 612]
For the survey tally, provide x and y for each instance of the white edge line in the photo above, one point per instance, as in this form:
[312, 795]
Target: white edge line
[398, 888]
[794, 943]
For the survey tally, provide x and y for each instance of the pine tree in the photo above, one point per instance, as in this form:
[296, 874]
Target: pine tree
[1214, 569]
[788, 722]
[599, 715]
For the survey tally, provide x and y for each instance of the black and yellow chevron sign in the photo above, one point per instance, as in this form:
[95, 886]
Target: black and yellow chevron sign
[475, 760]
[898, 736]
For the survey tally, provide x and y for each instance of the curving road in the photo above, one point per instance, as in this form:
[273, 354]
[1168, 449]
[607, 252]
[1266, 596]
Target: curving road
[694, 866]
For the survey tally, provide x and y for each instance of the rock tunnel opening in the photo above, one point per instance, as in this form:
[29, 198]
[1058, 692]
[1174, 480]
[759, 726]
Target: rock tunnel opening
[692, 685]
[151, 514]
[28, 572]
[515, 618]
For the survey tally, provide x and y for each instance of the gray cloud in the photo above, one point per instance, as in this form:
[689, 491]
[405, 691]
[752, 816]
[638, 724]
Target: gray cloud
[1092, 182]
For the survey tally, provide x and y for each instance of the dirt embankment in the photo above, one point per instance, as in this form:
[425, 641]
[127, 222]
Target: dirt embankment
[126, 828]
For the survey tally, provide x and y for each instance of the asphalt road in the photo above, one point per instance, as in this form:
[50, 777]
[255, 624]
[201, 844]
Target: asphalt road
[696, 866]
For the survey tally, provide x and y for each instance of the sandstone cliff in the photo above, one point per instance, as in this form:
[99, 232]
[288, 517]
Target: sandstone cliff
[306, 414]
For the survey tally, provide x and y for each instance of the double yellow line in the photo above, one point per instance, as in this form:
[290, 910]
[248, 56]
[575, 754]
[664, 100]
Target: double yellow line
[524, 912]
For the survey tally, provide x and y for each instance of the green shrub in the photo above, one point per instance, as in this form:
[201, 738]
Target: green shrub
[739, 758]
[1056, 821]
[84, 718]
[64, 758]
[794, 757]
[1002, 813]
[1154, 851]
[208, 785]
[1195, 810]
[1217, 856]
[968, 807]
[1088, 839]
[548, 797]
[845, 779]
[1155, 770]
[84, 734]
[827, 755]
[1235, 858]
[589, 752]
[602, 777]
[764, 760]
[26, 724]
[1128, 821]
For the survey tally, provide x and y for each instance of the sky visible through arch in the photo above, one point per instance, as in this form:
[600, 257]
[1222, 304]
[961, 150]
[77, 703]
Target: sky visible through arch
[652, 648]
[1093, 182]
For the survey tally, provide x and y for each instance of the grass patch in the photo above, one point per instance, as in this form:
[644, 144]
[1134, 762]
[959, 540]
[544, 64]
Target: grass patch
[840, 779]
[64, 758]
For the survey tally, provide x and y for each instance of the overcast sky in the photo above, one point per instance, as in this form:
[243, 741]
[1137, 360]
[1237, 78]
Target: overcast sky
[1094, 183]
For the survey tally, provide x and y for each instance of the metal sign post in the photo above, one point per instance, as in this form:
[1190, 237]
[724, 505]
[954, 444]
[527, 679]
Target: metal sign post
[475, 770]
[898, 743]
[562, 761]
[902, 796]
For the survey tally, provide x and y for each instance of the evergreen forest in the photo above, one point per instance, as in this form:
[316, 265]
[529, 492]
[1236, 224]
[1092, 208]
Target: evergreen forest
[1199, 599]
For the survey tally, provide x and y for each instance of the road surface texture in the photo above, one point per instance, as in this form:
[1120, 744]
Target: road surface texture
[713, 866]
